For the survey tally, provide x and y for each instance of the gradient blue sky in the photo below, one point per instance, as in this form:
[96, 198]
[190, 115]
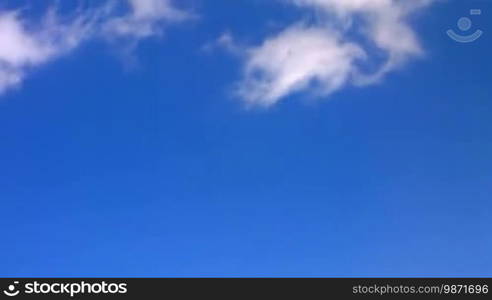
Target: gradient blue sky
[154, 169]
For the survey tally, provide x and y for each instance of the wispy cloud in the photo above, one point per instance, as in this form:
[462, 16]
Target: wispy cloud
[293, 59]
[331, 52]
[27, 44]
[145, 19]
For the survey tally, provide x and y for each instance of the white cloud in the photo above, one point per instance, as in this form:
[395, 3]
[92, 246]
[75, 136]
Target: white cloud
[326, 52]
[27, 44]
[145, 18]
[24, 47]
[298, 57]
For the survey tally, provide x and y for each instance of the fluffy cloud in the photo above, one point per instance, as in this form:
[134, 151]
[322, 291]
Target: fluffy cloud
[26, 45]
[298, 57]
[325, 54]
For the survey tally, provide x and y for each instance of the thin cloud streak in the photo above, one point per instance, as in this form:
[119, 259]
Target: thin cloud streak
[27, 44]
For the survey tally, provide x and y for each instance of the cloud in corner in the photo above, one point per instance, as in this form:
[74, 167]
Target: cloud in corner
[27, 44]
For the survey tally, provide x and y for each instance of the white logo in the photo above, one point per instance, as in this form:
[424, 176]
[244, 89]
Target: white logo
[11, 292]
[464, 24]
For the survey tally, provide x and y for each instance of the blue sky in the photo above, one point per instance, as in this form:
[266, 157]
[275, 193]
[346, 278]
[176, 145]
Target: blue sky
[151, 151]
